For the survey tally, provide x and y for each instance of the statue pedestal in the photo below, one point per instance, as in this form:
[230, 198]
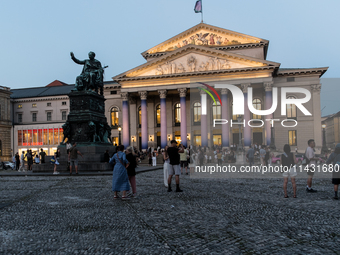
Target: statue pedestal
[86, 121]
[87, 126]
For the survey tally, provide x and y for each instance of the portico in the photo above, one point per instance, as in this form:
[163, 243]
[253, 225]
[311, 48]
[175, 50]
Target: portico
[161, 100]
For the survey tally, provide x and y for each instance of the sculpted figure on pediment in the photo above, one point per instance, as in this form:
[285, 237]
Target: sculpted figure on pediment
[159, 70]
[204, 66]
[225, 65]
[191, 63]
[202, 38]
[180, 69]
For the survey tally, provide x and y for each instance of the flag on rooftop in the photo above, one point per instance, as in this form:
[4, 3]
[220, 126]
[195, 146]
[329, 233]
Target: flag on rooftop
[198, 6]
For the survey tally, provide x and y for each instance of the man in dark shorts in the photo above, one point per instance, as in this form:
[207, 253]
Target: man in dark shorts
[73, 155]
[174, 166]
[310, 154]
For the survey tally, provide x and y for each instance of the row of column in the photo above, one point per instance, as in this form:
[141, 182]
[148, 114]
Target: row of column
[144, 124]
[204, 128]
[246, 117]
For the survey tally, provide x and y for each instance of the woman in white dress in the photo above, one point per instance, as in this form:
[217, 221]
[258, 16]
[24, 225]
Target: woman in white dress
[166, 165]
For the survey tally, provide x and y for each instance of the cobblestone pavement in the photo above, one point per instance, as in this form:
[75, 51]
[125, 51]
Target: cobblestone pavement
[78, 215]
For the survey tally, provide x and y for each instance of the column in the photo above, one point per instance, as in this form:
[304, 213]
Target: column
[315, 89]
[204, 128]
[162, 95]
[246, 130]
[268, 104]
[144, 126]
[225, 128]
[125, 118]
[182, 95]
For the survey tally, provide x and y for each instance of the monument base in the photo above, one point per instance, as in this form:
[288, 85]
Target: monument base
[92, 160]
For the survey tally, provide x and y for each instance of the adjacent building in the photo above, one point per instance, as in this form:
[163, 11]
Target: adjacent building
[331, 129]
[5, 124]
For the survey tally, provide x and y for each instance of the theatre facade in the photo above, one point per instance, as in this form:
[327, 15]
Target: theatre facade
[163, 99]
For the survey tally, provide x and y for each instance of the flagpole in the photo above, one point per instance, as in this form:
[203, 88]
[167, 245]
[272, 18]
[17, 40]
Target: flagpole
[202, 11]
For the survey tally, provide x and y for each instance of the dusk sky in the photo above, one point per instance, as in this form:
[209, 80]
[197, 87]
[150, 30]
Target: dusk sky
[37, 36]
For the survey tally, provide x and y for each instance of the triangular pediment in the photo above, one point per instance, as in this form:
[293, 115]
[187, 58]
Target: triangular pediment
[194, 59]
[204, 35]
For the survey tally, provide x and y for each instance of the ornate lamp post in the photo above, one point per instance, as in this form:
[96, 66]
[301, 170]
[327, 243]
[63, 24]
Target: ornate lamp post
[324, 146]
[119, 135]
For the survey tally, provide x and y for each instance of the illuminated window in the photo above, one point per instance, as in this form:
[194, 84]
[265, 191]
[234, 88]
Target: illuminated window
[177, 114]
[19, 106]
[34, 105]
[257, 106]
[114, 117]
[34, 117]
[217, 110]
[197, 113]
[158, 115]
[19, 137]
[292, 137]
[291, 109]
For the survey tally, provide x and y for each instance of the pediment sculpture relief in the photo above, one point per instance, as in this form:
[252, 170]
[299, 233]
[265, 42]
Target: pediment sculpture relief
[192, 65]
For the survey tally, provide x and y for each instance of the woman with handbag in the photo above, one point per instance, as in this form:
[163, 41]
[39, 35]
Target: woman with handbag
[288, 162]
[120, 179]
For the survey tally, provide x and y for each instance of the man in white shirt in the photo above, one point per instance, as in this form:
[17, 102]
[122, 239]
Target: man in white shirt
[22, 162]
[310, 154]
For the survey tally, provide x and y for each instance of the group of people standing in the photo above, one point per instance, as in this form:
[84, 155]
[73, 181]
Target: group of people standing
[30, 157]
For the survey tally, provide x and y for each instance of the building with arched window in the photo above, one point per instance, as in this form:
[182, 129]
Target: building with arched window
[178, 93]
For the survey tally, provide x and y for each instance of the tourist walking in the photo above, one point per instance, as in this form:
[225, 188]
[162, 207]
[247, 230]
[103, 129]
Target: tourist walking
[174, 168]
[334, 159]
[56, 162]
[154, 158]
[29, 155]
[250, 155]
[288, 162]
[120, 179]
[150, 156]
[310, 156]
[17, 161]
[262, 155]
[166, 165]
[184, 161]
[22, 162]
[131, 169]
[73, 155]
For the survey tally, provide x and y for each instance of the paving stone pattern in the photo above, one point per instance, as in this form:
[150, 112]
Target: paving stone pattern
[78, 215]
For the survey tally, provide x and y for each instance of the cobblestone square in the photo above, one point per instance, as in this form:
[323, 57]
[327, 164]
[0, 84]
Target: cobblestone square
[78, 215]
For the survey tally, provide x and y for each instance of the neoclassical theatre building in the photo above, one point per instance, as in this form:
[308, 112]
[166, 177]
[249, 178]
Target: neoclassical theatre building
[166, 98]
[161, 101]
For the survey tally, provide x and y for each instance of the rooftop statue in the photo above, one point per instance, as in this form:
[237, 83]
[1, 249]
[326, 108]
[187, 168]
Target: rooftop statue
[91, 77]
